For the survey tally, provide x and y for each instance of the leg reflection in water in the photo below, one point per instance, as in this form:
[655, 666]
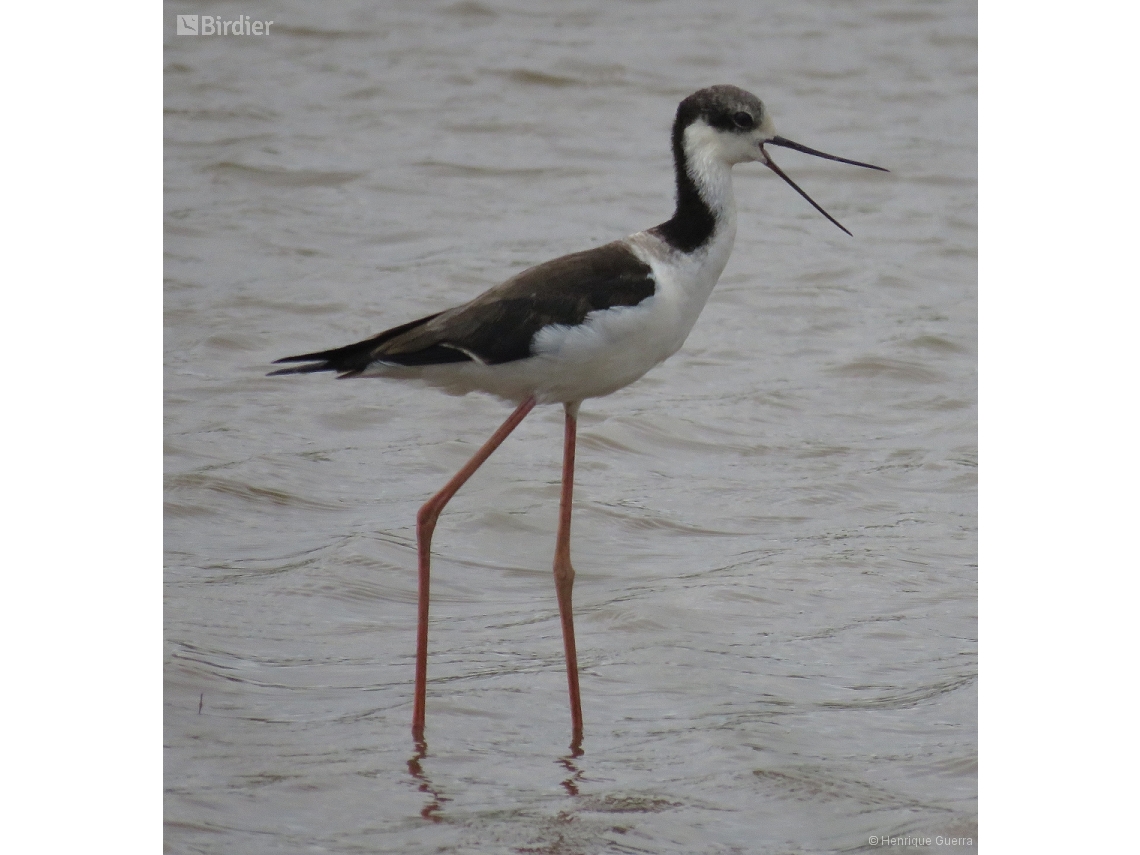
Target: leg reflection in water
[570, 785]
[431, 810]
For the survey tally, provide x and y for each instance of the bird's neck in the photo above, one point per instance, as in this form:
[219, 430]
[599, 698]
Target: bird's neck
[706, 207]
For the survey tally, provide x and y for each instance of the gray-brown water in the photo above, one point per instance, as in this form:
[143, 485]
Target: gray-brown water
[774, 531]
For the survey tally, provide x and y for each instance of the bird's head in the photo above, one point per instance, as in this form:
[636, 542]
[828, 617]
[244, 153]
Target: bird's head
[729, 125]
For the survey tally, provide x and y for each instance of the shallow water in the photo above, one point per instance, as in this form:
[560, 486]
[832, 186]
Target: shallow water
[774, 532]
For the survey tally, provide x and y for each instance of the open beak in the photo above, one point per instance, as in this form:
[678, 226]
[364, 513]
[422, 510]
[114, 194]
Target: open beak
[771, 164]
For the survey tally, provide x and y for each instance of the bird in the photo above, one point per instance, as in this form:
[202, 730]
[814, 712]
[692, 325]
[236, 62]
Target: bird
[579, 326]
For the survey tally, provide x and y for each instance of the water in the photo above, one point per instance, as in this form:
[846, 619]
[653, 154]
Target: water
[775, 531]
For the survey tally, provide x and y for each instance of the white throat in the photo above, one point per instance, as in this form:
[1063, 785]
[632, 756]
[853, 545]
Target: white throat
[710, 167]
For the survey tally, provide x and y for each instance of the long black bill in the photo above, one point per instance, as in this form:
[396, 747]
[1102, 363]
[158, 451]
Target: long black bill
[786, 143]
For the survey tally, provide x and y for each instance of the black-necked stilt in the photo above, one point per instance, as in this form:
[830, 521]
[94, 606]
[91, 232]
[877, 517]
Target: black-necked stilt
[580, 326]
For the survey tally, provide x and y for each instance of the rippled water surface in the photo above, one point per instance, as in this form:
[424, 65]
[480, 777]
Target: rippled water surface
[774, 531]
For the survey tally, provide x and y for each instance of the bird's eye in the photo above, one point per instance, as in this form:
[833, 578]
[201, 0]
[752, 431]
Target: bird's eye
[743, 120]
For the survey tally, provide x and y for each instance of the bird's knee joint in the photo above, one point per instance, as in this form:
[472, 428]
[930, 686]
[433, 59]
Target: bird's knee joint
[563, 573]
[426, 519]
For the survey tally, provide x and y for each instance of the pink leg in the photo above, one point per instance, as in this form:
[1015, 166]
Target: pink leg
[564, 572]
[425, 525]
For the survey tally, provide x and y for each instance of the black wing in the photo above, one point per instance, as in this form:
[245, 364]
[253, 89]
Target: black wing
[499, 325]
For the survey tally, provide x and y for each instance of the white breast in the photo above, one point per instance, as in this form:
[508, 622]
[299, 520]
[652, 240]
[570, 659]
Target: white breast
[614, 347]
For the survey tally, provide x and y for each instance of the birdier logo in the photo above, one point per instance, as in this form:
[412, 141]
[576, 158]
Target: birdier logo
[213, 25]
